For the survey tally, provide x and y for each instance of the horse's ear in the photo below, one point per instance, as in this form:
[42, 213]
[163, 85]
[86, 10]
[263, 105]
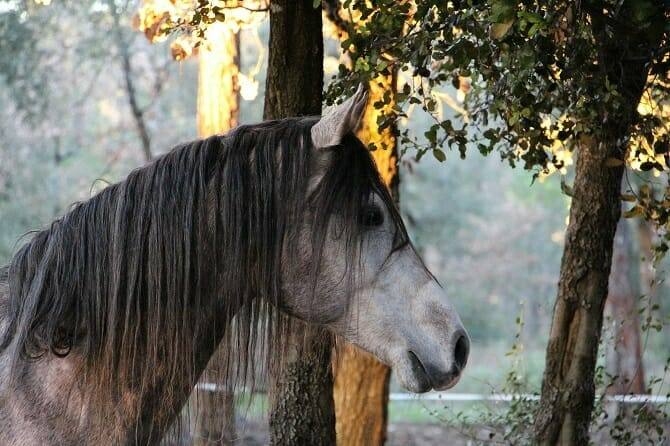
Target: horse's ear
[340, 120]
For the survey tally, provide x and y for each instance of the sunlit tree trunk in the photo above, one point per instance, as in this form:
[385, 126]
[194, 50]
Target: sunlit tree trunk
[568, 388]
[302, 411]
[625, 357]
[218, 92]
[361, 381]
[213, 415]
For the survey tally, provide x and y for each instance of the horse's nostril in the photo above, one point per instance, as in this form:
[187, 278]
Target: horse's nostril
[420, 372]
[461, 351]
[417, 365]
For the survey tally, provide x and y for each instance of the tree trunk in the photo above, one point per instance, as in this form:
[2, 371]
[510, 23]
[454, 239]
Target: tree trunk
[568, 388]
[361, 381]
[361, 398]
[302, 409]
[625, 358]
[213, 412]
[294, 85]
[218, 89]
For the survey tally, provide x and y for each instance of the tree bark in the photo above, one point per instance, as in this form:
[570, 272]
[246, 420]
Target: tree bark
[361, 381]
[361, 398]
[218, 89]
[212, 420]
[294, 85]
[568, 388]
[302, 409]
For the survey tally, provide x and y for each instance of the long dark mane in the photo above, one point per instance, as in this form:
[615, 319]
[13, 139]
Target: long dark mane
[123, 279]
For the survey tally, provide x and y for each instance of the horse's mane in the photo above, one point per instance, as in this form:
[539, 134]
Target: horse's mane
[122, 279]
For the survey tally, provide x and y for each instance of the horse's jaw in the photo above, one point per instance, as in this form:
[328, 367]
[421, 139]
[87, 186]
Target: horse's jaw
[406, 320]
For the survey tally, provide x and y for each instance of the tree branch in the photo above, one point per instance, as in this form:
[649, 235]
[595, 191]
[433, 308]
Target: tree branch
[126, 65]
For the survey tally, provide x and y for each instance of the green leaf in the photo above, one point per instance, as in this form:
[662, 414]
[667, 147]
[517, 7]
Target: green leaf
[532, 17]
[513, 119]
[647, 166]
[316, 3]
[439, 155]
[502, 11]
[634, 212]
[491, 134]
[431, 134]
[498, 30]
[662, 146]
[362, 65]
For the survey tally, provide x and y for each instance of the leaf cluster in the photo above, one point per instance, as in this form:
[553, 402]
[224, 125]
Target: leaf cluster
[537, 68]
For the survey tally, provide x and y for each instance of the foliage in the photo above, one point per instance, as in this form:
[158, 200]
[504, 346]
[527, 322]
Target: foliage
[541, 74]
[64, 117]
[612, 423]
[628, 423]
[511, 424]
[534, 66]
[192, 21]
[20, 38]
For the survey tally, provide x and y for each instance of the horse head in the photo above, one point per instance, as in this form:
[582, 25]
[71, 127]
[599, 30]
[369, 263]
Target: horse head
[371, 286]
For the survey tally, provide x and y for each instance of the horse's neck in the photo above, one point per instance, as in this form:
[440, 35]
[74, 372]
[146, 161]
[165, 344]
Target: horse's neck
[48, 391]
[205, 348]
[149, 418]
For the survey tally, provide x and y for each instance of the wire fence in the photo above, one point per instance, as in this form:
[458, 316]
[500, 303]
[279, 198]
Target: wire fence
[448, 396]
[466, 397]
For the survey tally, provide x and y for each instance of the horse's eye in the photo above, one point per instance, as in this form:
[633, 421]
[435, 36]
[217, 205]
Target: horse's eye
[372, 216]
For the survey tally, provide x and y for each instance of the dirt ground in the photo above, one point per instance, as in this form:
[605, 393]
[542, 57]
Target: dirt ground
[399, 434]
[255, 433]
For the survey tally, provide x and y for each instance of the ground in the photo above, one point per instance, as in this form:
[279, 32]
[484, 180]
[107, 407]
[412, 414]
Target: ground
[426, 434]
[399, 434]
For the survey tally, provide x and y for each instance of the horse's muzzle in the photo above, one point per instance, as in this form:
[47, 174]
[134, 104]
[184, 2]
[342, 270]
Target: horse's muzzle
[430, 375]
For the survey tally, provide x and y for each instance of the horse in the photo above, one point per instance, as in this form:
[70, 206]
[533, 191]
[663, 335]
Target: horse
[110, 314]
